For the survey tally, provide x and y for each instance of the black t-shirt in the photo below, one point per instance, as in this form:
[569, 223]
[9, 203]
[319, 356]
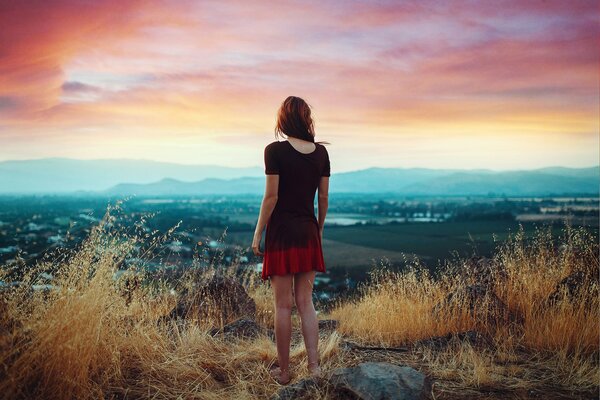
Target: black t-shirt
[299, 175]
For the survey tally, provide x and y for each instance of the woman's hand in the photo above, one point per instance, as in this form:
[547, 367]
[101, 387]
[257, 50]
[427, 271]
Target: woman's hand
[321, 233]
[256, 244]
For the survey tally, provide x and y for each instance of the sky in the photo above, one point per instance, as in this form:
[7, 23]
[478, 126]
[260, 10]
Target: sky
[501, 85]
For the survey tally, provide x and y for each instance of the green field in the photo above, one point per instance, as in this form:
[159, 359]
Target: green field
[365, 245]
[431, 241]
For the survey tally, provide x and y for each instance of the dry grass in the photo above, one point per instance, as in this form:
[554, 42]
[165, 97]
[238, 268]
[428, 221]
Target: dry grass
[91, 338]
[556, 346]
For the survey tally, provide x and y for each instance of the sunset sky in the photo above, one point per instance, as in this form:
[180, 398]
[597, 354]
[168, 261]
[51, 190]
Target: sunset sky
[439, 84]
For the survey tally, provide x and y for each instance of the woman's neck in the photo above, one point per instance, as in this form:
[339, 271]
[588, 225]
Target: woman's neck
[296, 140]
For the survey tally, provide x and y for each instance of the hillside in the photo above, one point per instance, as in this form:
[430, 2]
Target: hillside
[522, 324]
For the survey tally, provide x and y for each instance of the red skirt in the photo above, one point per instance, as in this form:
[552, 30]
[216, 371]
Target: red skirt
[292, 245]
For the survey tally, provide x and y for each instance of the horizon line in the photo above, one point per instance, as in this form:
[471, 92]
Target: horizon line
[261, 167]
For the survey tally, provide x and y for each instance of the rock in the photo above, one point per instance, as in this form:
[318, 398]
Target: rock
[378, 381]
[220, 298]
[474, 338]
[303, 389]
[242, 328]
[481, 302]
[368, 380]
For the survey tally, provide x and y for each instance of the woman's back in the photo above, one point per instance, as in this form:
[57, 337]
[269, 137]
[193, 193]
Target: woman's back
[292, 241]
[299, 175]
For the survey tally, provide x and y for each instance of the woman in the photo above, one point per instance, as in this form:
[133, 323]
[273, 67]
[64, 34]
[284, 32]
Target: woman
[294, 169]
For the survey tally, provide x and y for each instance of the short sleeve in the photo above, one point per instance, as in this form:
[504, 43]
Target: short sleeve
[326, 171]
[271, 162]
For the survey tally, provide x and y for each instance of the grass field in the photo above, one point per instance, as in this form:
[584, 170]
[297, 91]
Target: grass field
[430, 240]
[365, 245]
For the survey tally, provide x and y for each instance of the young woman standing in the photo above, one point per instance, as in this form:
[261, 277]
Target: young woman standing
[295, 169]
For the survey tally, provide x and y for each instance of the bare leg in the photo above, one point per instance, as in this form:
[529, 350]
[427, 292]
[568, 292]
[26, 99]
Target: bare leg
[282, 288]
[303, 285]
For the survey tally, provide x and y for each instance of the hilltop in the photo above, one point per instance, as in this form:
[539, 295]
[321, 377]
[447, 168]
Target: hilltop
[520, 324]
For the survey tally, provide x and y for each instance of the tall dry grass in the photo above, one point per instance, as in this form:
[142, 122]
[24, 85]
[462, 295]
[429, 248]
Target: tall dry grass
[556, 344]
[93, 336]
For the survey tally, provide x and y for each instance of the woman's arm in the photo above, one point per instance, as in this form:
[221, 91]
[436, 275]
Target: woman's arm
[266, 209]
[323, 202]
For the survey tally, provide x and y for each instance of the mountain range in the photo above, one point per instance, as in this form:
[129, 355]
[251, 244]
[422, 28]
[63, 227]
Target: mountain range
[151, 178]
[63, 175]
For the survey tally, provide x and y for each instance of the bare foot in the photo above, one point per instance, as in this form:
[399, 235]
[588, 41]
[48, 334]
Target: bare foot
[314, 369]
[281, 376]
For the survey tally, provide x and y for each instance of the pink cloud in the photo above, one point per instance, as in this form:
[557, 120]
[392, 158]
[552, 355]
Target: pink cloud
[38, 38]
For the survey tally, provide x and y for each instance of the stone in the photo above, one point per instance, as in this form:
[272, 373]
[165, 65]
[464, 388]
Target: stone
[379, 381]
[219, 298]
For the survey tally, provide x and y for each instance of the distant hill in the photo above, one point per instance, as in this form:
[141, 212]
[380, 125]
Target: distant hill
[170, 187]
[515, 183]
[63, 175]
[553, 181]
[152, 178]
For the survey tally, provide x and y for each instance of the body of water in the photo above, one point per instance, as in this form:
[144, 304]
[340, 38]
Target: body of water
[352, 219]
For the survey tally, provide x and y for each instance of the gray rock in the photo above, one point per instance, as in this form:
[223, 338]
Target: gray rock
[379, 381]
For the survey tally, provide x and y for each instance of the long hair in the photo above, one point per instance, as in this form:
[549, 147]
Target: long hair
[294, 119]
